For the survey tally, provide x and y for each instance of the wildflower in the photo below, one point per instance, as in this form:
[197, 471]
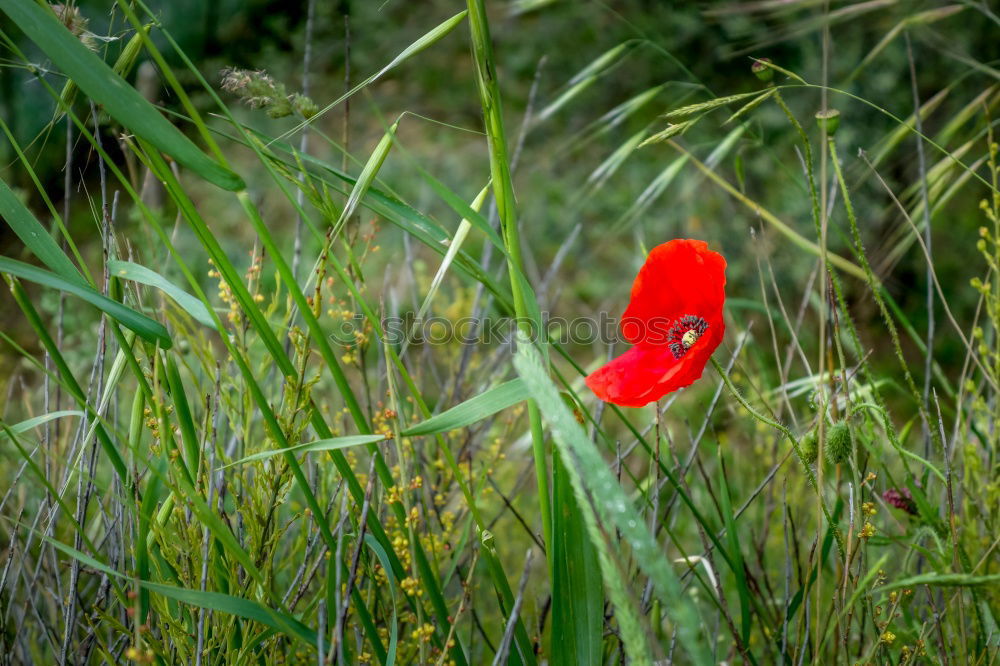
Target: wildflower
[901, 498]
[393, 494]
[674, 320]
[413, 519]
[423, 633]
[410, 586]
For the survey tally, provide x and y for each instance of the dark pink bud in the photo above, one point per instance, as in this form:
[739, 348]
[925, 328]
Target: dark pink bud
[901, 498]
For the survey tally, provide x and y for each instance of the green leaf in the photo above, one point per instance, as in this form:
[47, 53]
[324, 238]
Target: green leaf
[577, 604]
[472, 410]
[319, 445]
[735, 552]
[143, 275]
[402, 215]
[29, 424]
[366, 178]
[123, 65]
[182, 412]
[942, 580]
[592, 476]
[383, 559]
[122, 102]
[144, 327]
[520, 653]
[453, 247]
[217, 601]
[36, 237]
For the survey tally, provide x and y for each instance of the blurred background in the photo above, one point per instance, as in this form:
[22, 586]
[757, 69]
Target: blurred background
[583, 83]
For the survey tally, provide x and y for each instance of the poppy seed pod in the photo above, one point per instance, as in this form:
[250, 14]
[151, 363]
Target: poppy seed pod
[838, 443]
[761, 70]
[809, 448]
[828, 121]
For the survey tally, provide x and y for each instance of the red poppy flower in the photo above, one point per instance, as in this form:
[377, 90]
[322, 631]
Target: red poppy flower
[674, 322]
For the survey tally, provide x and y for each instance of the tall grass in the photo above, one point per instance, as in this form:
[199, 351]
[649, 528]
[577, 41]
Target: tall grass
[219, 450]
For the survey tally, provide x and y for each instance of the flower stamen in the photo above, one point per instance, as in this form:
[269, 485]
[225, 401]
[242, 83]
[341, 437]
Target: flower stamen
[684, 333]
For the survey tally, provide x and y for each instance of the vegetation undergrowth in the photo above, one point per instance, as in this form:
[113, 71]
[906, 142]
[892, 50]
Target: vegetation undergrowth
[293, 378]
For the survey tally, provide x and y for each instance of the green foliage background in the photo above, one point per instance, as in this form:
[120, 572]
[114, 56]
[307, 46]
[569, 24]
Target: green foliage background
[761, 552]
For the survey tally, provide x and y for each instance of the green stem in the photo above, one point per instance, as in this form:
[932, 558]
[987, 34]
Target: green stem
[503, 191]
[873, 284]
[795, 445]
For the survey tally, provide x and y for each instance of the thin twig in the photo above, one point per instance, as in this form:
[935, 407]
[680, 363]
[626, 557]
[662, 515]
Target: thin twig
[508, 634]
[922, 167]
[300, 196]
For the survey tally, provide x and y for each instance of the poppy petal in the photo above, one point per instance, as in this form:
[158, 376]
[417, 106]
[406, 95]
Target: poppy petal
[644, 374]
[626, 379]
[680, 277]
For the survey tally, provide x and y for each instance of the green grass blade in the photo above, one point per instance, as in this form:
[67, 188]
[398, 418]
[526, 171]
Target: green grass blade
[366, 178]
[472, 410]
[735, 552]
[332, 444]
[123, 65]
[104, 86]
[614, 506]
[144, 327]
[453, 247]
[425, 41]
[136, 273]
[398, 213]
[36, 237]
[586, 77]
[523, 654]
[216, 601]
[72, 385]
[577, 603]
[383, 559]
[525, 302]
[29, 424]
[182, 411]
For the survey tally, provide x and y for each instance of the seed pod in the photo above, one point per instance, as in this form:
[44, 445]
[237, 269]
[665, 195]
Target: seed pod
[838, 443]
[828, 120]
[761, 70]
[809, 449]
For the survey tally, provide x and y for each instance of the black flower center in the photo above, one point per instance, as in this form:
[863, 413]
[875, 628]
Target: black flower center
[684, 333]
